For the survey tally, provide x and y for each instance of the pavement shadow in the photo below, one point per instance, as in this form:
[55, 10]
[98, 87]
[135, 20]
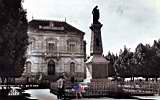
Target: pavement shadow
[24, 96]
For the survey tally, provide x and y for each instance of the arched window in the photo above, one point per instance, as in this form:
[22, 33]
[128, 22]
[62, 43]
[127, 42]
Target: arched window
[28, 66]
[72, 67]
[51, 67]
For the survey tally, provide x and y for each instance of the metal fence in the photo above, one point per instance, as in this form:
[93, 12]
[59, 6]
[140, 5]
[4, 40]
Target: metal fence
[105, 87]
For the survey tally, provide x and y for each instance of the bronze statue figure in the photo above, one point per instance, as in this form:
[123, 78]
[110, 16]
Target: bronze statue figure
[96, 15]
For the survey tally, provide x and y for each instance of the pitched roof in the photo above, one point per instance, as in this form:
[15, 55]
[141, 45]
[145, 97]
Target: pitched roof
[52, 25]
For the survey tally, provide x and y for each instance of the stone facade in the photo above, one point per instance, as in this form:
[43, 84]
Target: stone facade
[55, 47]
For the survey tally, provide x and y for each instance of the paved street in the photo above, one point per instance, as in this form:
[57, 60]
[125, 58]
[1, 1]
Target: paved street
[41, 94]
[44, 94]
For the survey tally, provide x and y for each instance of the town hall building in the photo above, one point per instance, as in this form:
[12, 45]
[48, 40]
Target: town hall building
[55, 47]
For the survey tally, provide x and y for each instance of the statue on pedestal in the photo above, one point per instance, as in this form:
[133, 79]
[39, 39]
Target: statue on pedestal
[96, 15]
[97, 64]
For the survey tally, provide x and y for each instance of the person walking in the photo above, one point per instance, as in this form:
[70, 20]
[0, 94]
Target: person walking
[78, 90]
[60, 85]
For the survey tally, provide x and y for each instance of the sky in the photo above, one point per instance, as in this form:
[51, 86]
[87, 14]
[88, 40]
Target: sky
[125, 22]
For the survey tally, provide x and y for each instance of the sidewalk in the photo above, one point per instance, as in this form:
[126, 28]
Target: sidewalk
[102, 99]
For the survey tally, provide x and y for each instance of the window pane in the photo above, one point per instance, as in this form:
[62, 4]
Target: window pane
[51, 68]
[51, 47]
[28, 67]
[72, 47]
[72, 67]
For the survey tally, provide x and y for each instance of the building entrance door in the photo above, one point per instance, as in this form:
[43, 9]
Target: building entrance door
[51, 67]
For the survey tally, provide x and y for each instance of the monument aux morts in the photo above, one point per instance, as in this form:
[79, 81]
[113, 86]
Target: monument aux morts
[97, 64]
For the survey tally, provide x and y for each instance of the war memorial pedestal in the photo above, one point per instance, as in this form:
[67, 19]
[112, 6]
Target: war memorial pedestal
[97, 64]
[98, 67]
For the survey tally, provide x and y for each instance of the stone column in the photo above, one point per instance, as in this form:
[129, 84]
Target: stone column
[96, 40]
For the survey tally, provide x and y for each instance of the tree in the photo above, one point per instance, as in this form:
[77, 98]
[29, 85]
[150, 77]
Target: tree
[156, 58]
[144, 62]
[139, 57]
[123, 63]
[111, 58]
[147, 60]
[13, 38]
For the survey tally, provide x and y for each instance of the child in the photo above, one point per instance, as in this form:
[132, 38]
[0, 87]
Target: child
[78, 90]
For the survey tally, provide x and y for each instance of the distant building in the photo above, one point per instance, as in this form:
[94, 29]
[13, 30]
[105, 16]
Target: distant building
[55, 47]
